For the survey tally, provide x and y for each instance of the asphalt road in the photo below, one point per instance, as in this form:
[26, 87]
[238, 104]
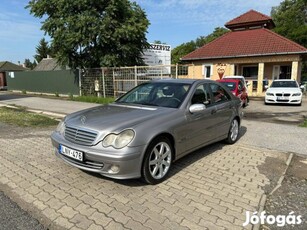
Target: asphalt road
[13, 217]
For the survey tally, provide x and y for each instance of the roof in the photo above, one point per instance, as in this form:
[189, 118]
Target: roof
[228, 80]
[256, 42]
[251, 18]
[9, 66]
[48, 64]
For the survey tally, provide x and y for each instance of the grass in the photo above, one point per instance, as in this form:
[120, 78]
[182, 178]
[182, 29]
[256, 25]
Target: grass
[93, 99]
[304, 124]
[21, 117]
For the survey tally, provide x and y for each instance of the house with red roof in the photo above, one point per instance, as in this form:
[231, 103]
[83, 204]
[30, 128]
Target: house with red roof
[250, 49]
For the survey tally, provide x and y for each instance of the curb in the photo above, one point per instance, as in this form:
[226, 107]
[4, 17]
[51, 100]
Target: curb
[57, 116]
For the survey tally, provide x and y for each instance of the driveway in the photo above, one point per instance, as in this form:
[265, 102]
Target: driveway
[209, 189]
[275, 127]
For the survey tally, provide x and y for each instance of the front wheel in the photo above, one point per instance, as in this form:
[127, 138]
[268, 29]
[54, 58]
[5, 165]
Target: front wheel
[157, 161]
[233, 133]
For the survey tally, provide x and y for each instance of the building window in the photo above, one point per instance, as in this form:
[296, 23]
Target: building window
[207, 70]
[285, 72]
[250, 72]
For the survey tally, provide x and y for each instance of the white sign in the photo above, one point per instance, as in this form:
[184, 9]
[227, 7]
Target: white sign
[158, 54]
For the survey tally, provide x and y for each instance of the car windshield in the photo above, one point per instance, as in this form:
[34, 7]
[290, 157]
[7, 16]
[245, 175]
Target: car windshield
[230, 85]
[284, 84]
[164, 94]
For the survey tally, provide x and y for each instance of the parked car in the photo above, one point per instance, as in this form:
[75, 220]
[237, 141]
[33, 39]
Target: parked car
[237, 88]
[237, 77]
[242, 79]
[284, 91]
[143, 132]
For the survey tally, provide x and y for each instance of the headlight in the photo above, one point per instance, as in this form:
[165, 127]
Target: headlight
[61, 127]
[270, 94]
[120, 140]
[296, 94]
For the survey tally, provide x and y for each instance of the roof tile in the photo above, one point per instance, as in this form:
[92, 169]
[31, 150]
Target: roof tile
[246, 43]
[248, 17]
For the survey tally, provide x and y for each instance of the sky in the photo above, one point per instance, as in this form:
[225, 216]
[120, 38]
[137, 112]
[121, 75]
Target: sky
[171, 21]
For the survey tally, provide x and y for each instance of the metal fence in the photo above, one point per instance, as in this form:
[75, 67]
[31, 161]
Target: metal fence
[114, 82]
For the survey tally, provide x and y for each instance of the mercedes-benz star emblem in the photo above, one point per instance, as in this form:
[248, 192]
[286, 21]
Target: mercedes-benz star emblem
[83, 119]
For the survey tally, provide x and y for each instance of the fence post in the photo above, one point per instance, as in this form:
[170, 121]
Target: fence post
[176, 70]
[114, 82]
[103, 83]
[135, 76]
[80, 84]
[161, 72]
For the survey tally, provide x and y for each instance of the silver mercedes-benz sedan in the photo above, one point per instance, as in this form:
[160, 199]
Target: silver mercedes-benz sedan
[143, 132]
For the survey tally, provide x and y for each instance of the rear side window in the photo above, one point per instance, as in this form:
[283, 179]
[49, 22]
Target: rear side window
[201, 95]
[220, 95]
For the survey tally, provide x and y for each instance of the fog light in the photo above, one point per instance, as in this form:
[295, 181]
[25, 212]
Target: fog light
[114, 169]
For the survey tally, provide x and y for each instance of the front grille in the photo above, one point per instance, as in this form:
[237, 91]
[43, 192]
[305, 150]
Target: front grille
[79, 136]
[283, 94]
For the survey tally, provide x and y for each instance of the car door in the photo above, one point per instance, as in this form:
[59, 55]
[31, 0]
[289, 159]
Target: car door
[199, 126]
[224, 108]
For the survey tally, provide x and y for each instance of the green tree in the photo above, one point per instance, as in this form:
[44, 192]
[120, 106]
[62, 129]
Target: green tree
[42, 50]
[189, 47]
[290, 18]
[87, 33]
[182, 50]
[30, 65]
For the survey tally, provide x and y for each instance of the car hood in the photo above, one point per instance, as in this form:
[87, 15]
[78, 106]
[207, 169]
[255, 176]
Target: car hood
[114, 117]
[283, 90]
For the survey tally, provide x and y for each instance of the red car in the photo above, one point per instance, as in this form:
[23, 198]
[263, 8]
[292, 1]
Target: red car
[237, 88]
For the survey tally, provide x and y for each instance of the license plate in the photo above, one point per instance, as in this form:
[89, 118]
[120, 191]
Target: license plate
[282, 98]
[71, 153]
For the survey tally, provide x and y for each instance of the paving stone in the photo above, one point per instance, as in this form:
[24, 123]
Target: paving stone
[50, 213]
[63, 222]
[67, 212]
[71, 201]
[100, 219]
[137, 216]
[119, 217]
[81, 221]
[90, 200]
[115, 226]
[85, 209]
[95, 227]
[55, 203]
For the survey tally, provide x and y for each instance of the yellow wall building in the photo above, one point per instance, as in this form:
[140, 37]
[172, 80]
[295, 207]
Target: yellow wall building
[251, 50]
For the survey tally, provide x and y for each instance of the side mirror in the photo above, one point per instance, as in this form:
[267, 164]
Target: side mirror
[197, 108]
[266, 86]
[302, 87]
[248, 83]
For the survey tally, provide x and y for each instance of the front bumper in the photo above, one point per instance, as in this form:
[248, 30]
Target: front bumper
[287, 100]
[100, 160]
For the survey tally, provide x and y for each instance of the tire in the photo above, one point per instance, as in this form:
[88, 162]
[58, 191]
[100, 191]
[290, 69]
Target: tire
[157, 161]
[233, 133]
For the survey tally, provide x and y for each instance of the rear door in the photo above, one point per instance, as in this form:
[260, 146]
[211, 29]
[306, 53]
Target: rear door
[223, 109]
